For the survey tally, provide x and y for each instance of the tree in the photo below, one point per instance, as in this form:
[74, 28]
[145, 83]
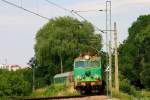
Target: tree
[59, 41]
[14, 83]
[134, 52]
[145, 79]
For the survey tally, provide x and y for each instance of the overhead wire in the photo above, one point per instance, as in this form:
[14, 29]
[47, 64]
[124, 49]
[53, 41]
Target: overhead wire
[88, 10]
[74, 12]
[57, 5]
[37, 14]
[22, 8]
[87, 20]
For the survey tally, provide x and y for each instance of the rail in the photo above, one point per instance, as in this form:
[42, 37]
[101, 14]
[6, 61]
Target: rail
[47, 98]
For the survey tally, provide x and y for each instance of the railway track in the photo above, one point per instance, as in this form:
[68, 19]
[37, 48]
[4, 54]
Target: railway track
[48, 98]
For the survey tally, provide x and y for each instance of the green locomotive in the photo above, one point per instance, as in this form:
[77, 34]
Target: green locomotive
[88, 74]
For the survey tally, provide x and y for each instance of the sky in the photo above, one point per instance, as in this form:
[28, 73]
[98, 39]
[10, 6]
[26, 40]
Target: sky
[18, 28]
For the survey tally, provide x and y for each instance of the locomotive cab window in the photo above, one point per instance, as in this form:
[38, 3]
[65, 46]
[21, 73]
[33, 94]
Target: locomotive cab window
[94, 63]
[81, 64]
[86, 63]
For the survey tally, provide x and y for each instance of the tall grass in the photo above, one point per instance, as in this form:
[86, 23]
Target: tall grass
[56, 90]
[135, 95]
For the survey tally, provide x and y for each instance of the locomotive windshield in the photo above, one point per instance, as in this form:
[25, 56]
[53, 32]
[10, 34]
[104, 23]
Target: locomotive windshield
[86, 63]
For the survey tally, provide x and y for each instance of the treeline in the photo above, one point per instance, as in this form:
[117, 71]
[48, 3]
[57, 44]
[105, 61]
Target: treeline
[15, 83]
[134, 55]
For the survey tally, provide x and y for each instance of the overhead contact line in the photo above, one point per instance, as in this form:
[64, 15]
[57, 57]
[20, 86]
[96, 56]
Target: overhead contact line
[72, 12]
[22, 8]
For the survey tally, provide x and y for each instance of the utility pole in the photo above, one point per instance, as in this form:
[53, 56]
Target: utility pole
[32, 64]
[109, 46]
[110, 69]
[61, 64]
[60, 57]
[33, 76]
[107, 78]
[110, 51]
[116, 61]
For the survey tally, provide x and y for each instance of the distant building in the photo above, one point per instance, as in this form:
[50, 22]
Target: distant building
[2, 66]
[10, 67]
[14, 67]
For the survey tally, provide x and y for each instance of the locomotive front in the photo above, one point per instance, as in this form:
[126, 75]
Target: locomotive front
[88, 74]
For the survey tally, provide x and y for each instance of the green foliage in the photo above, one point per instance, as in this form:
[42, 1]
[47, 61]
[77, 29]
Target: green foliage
[55, 90]
[14, 83]
[145, 76]
[129, 92]
[61, 40]
[125, 86]
[134, 53]
[133, 95]
[5, 98]
[137, 26]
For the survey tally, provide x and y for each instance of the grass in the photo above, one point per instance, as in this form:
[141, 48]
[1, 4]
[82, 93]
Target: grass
[68, 90]
[4, 98]
[55, 90]
[138, 95]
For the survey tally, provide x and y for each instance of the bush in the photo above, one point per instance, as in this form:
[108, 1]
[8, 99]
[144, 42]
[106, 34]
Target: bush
[133, 91]
[13, 83]
[126, 87]
[145, 76]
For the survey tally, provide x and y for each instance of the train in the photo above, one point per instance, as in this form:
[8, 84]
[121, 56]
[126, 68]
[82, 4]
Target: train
[87, 75]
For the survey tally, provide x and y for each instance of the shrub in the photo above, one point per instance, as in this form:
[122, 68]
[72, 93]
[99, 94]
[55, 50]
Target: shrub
[13, 84]
[125, 86]
[145, 76]
[133, 91]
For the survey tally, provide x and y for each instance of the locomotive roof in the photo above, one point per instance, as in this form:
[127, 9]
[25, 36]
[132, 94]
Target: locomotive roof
[91, 58]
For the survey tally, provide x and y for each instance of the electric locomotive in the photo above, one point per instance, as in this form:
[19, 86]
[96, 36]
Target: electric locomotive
[88, 74]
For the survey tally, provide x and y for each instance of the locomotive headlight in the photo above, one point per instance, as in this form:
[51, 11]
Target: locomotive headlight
[87, 57]
[96, 77]
[78, 77]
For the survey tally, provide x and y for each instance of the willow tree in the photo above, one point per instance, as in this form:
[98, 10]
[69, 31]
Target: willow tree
[59, 41]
